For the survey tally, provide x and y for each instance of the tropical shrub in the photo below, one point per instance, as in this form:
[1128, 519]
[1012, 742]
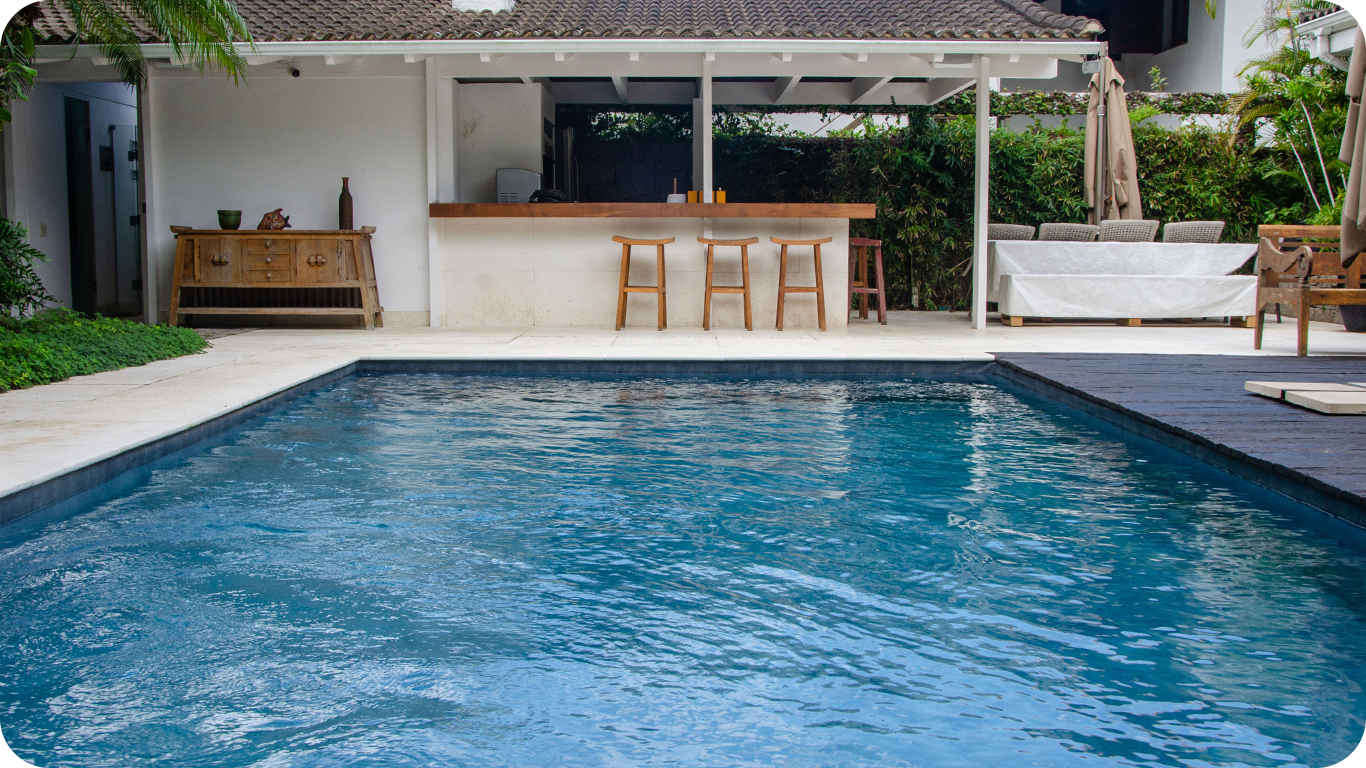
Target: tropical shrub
[21, 292]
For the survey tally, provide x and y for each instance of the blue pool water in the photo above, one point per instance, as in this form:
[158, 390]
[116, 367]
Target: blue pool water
[437, 570]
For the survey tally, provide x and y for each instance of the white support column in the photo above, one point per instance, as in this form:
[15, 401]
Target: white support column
[981, 198]
[151, 221]
[441, 173]
[708, 179]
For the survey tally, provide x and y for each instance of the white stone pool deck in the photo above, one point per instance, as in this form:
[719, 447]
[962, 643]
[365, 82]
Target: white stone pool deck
[50, 430]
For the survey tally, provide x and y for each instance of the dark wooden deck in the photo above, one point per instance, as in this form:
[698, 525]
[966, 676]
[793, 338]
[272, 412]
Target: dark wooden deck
[1197, 404]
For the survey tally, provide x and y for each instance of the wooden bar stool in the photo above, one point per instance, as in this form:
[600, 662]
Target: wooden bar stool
[784, 288]
[741, 289]
[657, 288]
[858, 250]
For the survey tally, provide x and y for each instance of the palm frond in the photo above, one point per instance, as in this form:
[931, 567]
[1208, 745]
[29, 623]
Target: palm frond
[201, 33]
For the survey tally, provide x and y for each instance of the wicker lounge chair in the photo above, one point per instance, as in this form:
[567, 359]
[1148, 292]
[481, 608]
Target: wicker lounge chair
[1128, 230]
[1193, 232]
[1082, 233]
[1010, 232]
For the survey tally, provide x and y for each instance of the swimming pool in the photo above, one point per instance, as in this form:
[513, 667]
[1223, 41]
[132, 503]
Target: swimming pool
[423, 568]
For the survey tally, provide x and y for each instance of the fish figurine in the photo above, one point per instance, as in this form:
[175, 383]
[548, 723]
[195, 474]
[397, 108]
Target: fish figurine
[274, 220]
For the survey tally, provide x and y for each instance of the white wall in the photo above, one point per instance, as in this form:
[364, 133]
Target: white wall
[565, 272]
[1210, 61]
[498, 125]
[284, 142]
[37, 173]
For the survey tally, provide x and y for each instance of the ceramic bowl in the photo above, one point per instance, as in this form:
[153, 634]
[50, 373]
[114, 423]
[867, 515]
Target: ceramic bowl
[229, 219]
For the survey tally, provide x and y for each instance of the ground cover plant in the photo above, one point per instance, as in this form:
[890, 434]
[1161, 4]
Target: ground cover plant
[56, 345]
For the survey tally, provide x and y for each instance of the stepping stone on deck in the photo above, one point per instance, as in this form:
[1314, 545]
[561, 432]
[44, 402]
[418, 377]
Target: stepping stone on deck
[1335, 399]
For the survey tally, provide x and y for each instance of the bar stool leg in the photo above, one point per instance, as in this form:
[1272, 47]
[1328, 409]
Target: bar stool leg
[744, 265]
[881, 286]
[663, 309]
[706, 305]
[820, 290]
[621, 294]
[853, 257]
[782, 284]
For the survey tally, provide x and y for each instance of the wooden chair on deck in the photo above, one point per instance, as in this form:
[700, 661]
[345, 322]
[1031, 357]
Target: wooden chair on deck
[1301, 266]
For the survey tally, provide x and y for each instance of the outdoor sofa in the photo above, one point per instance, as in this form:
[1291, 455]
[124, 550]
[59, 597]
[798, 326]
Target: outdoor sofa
[1122, 281]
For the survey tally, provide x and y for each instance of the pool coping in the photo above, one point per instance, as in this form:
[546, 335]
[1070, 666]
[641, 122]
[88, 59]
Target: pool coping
[1287, 482]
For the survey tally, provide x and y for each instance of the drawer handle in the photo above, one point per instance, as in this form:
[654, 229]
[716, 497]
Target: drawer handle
[267, 275]
[218, 260]
[267, 243]
[267, 259]
[317, 261]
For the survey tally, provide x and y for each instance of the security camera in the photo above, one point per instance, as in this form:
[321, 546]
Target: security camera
[293, 73]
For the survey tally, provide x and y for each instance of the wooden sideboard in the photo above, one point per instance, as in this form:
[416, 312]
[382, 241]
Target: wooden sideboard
[273, 272]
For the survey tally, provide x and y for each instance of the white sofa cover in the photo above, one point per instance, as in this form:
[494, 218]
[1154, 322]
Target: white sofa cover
[1120, 280]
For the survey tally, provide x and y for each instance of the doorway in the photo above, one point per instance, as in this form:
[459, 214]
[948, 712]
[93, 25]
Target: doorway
[102, 202]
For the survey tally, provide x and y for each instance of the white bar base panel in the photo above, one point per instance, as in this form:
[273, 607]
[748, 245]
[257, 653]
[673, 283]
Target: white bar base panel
[564, 272]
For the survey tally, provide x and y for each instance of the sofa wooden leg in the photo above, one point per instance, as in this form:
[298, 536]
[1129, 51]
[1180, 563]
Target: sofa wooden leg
[1012, 321]
[1240, 322]
[1132, 322]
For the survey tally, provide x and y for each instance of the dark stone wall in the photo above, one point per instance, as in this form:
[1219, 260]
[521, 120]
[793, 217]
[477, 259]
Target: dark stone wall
[632, 171]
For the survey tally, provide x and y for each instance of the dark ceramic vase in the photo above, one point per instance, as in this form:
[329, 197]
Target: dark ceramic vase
[344, 214]
[229, 219]
[1353, 317]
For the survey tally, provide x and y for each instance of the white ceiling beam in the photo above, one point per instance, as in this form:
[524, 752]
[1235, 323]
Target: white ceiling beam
[785, 56]
[859, 57]
[783, 88]
[619, 83]
[944, 87]
[863, 88]
[415, 58]
[562, 56]
[333, 60]
[635, 55]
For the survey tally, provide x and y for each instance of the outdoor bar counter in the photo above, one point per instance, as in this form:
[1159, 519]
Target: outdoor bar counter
[555, 264]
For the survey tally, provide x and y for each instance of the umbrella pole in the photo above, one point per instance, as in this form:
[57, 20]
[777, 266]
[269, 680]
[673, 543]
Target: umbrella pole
[1102, 127]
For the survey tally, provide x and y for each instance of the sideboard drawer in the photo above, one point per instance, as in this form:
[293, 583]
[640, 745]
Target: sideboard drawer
[268, 245]
[269, 261]
[282, 275]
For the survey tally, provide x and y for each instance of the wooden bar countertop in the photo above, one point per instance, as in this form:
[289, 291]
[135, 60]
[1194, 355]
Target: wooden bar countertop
[655, 210]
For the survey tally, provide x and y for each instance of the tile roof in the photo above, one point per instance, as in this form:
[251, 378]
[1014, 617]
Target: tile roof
[310, 20]
[1317, 14]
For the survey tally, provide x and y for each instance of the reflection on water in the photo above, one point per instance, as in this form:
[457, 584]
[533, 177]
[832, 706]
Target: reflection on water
[425, 569]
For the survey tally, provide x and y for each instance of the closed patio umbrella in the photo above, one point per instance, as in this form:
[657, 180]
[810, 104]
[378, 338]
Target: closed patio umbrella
[1110, 150]
[1353, 146]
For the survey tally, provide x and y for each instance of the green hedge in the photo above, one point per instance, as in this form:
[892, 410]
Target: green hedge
[57, 345]
[920, 176]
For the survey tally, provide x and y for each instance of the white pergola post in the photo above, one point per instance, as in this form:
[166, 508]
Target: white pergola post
[704, 125]
[981, 198]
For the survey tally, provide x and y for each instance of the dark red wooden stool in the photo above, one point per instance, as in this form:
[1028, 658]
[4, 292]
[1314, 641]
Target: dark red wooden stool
[858, 280]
